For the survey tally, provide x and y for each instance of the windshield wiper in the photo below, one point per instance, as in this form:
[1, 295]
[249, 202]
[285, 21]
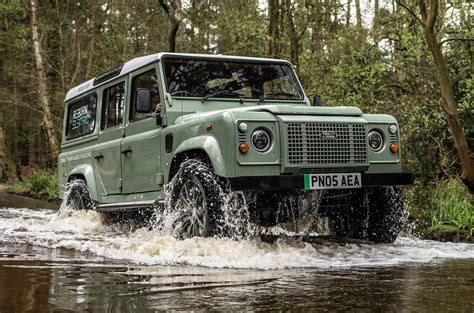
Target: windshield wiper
[223, 92]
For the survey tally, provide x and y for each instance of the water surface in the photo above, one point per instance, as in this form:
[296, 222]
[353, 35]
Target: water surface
[74, 261]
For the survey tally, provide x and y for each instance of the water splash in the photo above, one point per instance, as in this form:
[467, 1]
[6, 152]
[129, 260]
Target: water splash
[84, 231]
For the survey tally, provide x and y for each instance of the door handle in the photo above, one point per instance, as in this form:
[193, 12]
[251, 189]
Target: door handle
[127, 151]
[98, 157]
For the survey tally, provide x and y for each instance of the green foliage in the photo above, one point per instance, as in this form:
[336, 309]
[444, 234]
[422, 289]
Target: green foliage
[447, 204]
[41, 183]
[382, 67]
[20, 187]
[452, 205]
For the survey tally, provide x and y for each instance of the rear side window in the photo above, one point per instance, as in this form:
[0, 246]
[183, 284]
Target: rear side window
[81, 117]
[112, 106]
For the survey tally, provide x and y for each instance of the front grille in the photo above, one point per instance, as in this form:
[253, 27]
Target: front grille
[352, 169]
[308, 145]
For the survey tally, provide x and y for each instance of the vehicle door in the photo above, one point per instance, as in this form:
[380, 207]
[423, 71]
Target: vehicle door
[108, 157]
[141, 162]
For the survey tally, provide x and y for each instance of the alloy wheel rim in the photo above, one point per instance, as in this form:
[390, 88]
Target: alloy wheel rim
[192, 207]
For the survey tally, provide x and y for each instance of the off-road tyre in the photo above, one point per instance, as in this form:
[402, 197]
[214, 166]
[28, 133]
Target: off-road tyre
[375, 214]
[197, 176]
[386, 214]
[347, 213]
[78, 196]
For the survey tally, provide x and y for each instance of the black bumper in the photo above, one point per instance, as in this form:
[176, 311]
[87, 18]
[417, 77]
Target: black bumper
[297, 181]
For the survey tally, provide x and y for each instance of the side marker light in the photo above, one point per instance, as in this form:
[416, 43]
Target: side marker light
[243, 148]
[394, 148]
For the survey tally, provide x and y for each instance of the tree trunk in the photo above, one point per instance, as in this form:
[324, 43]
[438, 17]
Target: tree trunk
[3, 158]
[273, 28]
[348, 13]
[42, 86]
[294, 42]
[358, 13]
[449, 105]
[429, 14]
[173, 10]
[376, 10]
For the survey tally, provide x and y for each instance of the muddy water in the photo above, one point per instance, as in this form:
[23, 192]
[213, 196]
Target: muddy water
[60, 262]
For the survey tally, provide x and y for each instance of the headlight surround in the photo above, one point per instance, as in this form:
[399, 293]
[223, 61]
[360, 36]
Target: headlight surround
[375, 140]
[392, 128]
[261, 139]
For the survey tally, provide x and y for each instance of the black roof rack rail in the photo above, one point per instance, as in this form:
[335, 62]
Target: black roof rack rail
[107, 75]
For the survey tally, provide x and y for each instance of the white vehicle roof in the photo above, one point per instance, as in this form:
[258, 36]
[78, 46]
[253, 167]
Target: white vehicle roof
[139, 62]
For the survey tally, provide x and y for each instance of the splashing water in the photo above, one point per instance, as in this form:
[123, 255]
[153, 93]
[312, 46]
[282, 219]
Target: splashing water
[84, 231]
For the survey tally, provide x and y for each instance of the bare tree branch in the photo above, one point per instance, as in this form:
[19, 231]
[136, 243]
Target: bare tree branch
[409, 10]
[454, 39]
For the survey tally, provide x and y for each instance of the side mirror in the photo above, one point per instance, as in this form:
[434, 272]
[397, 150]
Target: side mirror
[317, 101]
[143, 100]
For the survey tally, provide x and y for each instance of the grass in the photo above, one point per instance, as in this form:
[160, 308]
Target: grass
[447, 206]
[41, 183]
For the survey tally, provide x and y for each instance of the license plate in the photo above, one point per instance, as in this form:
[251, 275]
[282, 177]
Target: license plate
[332, 181]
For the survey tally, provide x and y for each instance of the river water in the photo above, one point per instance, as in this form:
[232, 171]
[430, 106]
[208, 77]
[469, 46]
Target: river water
[75, 262]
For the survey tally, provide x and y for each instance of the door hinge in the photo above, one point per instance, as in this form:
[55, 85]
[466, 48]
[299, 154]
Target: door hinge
[119, 183]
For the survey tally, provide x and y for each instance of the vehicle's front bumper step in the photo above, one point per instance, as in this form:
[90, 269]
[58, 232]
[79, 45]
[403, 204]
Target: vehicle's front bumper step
[297, 181]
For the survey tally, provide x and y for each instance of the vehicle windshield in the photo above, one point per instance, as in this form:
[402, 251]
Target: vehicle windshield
[244, 79]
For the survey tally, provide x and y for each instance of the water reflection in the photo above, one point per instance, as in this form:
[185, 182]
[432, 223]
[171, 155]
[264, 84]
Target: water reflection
[40, 279]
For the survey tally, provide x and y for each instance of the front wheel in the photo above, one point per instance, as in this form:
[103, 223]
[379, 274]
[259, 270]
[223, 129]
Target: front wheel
[376, 214]
[386, 214]
[194, 201]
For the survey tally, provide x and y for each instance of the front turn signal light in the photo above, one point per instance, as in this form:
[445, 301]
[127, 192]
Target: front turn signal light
[244, 148]
[394, 148]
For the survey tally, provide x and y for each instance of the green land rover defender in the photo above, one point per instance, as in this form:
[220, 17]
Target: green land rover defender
[185, 132]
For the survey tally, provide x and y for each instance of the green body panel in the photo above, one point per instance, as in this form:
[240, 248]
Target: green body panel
[109, 167]
[211, 126]
[192, 134]
[143, 138]
[208, 144]
[384, 161]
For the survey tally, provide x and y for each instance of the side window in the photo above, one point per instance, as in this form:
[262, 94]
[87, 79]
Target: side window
[81, 117]
[112, 106]
[146, 80]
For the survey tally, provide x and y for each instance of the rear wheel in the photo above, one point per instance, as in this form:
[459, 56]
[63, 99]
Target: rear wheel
[78, 196]
[195, 201]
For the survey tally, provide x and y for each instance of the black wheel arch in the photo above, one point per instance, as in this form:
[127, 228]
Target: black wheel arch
[179, 158]
[77, 176]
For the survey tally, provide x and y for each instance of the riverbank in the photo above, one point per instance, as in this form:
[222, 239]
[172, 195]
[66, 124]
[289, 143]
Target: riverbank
[3, 188]
[10, 200]
[14, 190]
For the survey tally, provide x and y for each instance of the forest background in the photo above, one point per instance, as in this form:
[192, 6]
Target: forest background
[413, 59]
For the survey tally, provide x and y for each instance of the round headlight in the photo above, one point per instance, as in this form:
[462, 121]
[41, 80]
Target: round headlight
[375, 140]
[242, 127]
[392, 129]
[261, 140]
